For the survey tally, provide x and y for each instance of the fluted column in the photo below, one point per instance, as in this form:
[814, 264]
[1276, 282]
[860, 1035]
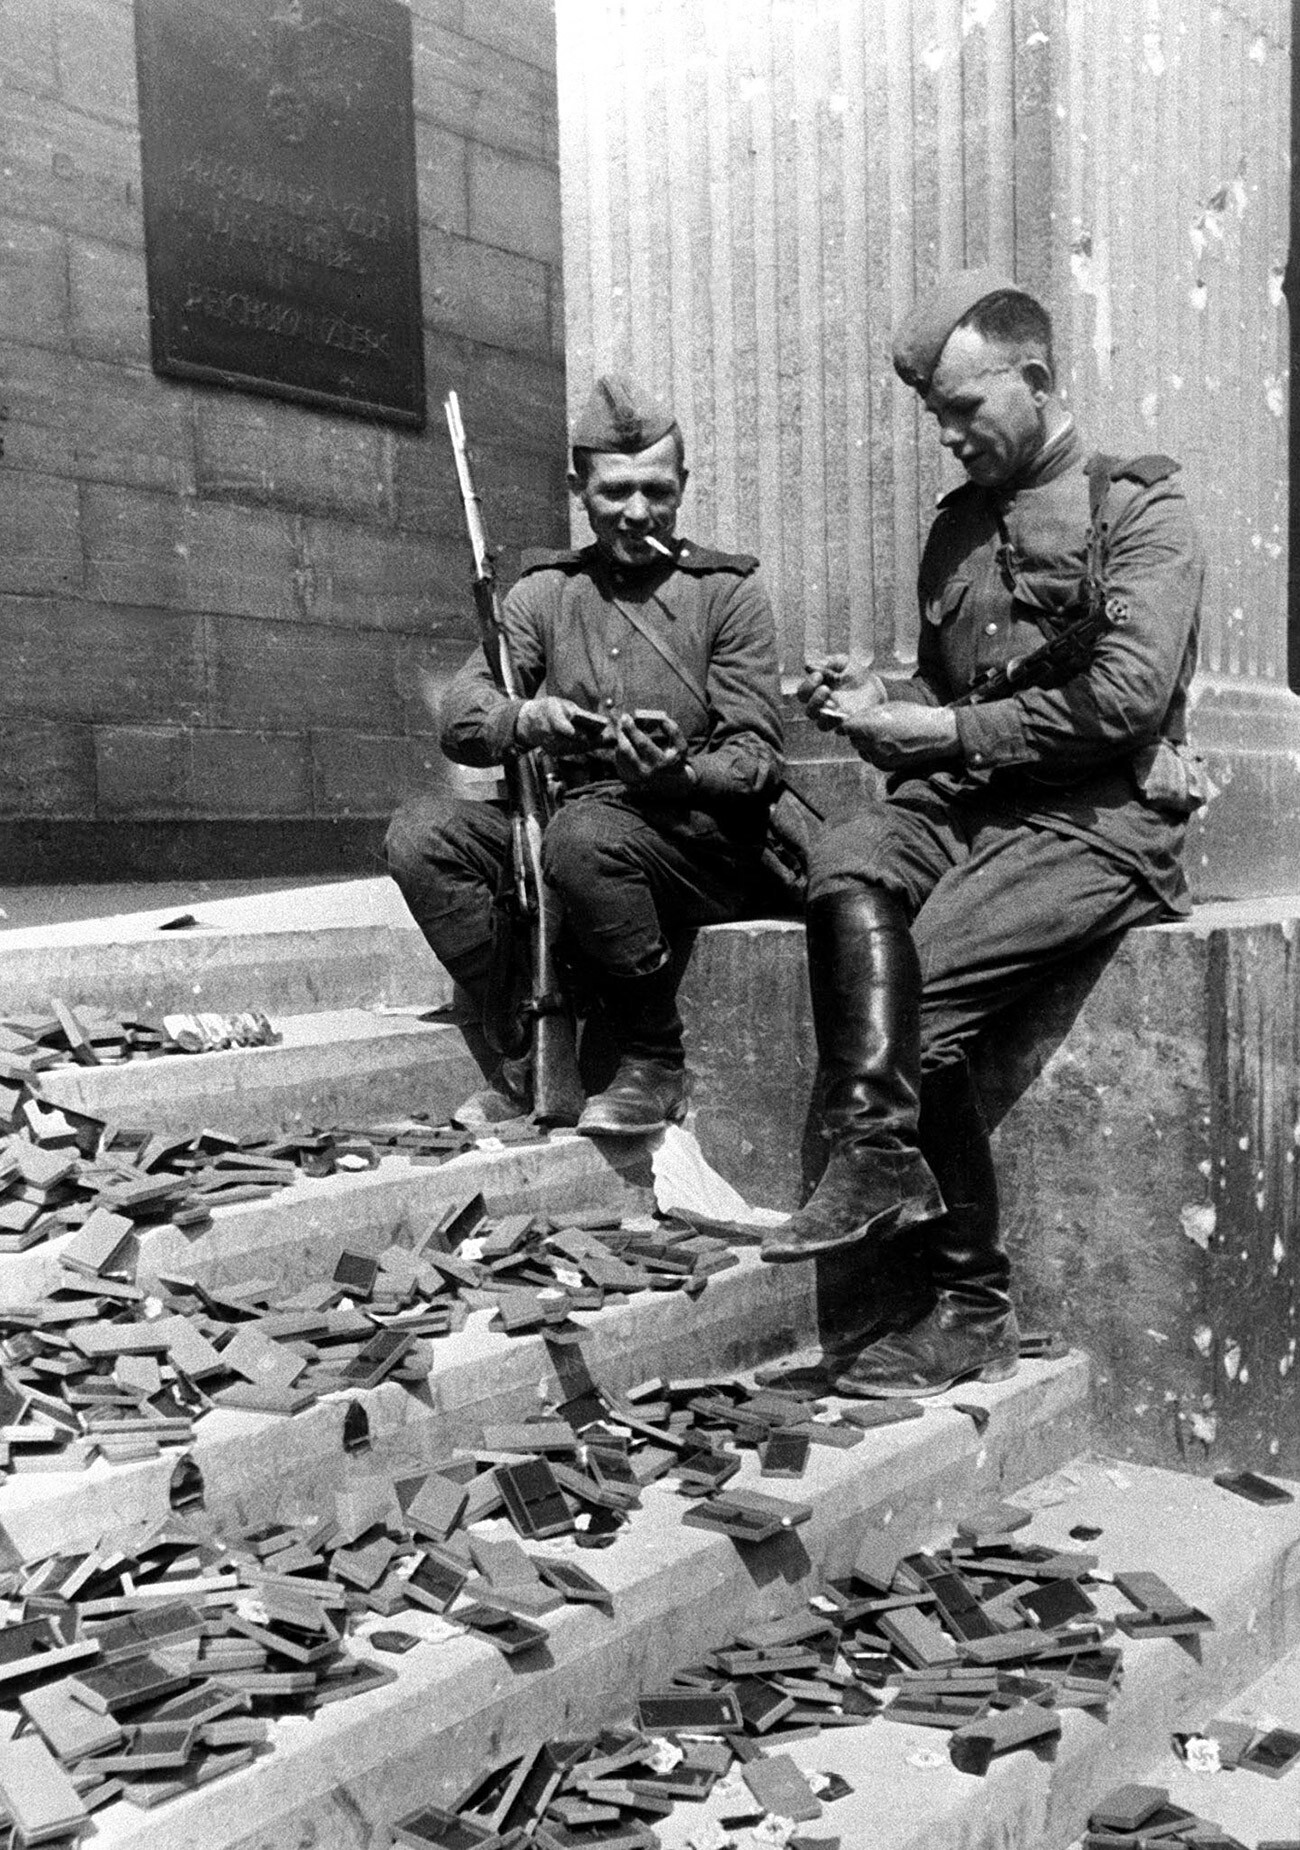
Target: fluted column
[755, 189]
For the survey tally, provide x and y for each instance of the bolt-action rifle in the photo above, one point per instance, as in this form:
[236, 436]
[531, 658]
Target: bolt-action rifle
[546, 1028]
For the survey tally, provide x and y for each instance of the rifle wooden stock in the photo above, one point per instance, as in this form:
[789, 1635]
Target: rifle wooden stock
[557, 1089]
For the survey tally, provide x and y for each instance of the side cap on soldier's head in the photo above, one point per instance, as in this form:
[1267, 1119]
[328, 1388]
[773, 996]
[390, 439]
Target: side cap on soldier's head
[620, 416]
[923, 333]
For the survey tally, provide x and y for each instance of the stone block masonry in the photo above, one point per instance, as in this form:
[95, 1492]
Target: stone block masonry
[212, 604]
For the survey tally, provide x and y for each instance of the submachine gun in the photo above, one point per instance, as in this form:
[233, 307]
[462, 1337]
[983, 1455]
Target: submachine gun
[1063, 654]
[542, 1025]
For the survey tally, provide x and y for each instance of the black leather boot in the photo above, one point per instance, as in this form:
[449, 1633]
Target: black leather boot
[866, 996]
[971, 1331]
[648, 1091]
[507, 1089]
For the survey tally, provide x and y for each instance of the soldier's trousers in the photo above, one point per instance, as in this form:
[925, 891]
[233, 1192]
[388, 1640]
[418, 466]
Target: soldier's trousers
[997, 905]
[628, 877]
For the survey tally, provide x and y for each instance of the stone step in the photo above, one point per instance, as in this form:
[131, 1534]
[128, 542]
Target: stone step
[257, 1466]
[346, 944]
[457, 1707]
[1146, 1153]
[295, 1235]
[1233, 1560]
[1250, 1807]
[337, 1066]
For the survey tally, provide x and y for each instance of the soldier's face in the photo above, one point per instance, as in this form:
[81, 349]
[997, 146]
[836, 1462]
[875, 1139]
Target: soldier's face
[988, 407]
[627, 498]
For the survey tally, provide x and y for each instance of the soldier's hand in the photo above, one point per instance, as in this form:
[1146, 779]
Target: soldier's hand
[650, 764]
[559, 726]
[836, 688]
[898, 733]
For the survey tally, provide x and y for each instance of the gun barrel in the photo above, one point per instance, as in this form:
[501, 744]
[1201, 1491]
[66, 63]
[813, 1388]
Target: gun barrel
[478, 538]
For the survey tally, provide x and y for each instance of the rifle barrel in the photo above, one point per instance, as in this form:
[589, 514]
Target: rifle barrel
[478, 539]
[485, 578]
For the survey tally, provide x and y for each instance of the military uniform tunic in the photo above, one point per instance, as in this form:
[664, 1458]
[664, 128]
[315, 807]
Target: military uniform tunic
[631, 866]
[565, 624]
[1040, 841]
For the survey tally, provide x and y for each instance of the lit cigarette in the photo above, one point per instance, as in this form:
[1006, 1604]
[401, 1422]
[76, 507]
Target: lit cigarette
[659, 546]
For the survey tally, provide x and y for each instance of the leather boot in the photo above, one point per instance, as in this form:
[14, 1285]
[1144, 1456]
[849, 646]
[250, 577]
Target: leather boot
[507, 1094]
[507, 1091]
[866, 996]
[648, 1091]
[971, 1332]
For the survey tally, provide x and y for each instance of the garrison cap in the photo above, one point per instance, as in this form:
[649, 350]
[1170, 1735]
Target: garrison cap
[923, 333]
[620, 416]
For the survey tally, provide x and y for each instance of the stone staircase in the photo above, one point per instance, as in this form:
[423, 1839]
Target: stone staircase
[1131, 1203]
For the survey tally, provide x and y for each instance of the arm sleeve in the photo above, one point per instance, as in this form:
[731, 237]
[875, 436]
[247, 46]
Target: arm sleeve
[1115, 704]
[743, 755]
[478, 721]
[926, 688]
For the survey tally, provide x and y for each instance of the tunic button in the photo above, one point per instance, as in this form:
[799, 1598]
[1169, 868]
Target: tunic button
[990, 629]
[614, 650]
[977, 757]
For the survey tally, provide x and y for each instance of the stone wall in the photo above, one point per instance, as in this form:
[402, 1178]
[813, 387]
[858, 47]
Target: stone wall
[212, 605]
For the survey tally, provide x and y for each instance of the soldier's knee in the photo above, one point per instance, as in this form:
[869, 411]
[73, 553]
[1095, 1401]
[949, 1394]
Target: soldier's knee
[419, 833]
[581, 847]
[855, 854]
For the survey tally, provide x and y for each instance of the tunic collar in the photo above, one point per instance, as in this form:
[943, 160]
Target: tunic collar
[1062, 452]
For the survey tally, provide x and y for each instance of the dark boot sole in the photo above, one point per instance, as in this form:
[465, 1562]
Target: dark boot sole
[907, 1214]
[630, 1130]
[795, 1376]
[626, 1131]
[988, 1372]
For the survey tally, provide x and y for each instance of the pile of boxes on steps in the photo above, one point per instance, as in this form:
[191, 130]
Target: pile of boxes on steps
[102, 1365]
[31, 1044]
[156, 1663]
[162, 1659]
[986, 1642]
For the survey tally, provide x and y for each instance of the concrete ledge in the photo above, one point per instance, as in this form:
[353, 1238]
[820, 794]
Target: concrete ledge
[256, 1467]
[347, 944]
[341, 1066]
[1147, 1157]
[458, 1707]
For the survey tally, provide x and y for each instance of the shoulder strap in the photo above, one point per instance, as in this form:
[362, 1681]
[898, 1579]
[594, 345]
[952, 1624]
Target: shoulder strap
[1101, 470]
[1147, 469]
[701, 559]
[540, 559]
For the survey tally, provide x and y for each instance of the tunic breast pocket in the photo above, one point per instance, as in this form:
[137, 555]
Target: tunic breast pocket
[945, 601]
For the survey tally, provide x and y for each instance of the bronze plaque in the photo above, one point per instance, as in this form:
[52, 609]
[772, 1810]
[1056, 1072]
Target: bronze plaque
[279, 199]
